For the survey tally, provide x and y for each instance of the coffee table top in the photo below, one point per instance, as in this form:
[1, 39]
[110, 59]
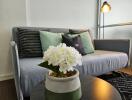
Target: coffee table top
[92, 89]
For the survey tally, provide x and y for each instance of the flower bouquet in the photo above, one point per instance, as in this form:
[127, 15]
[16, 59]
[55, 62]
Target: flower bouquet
[62, 81]
[61, 60]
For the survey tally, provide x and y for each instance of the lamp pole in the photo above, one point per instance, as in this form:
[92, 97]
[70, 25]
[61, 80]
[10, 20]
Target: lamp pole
[99, 18]
[104, 9]
[103, 25]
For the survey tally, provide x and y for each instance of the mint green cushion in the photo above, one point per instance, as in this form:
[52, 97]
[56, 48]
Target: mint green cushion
[86, 41]
[50, 39]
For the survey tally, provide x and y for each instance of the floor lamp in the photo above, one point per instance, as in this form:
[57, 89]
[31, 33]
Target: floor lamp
[104, 9]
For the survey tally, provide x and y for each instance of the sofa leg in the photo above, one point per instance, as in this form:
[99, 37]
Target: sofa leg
[26, 98]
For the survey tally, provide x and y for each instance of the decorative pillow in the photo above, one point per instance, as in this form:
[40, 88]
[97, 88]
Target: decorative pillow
[50, 39]
[29, 44]
[86, 41]
[74, 42]
[75, 31]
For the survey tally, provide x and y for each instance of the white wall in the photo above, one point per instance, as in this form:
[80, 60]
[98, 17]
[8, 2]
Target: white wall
[12, 13]
[62, 13]
[44, 13]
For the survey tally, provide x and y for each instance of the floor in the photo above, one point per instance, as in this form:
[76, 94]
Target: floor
[127, 70]
[7, 88]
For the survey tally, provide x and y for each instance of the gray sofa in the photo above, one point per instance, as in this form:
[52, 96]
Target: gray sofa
[109, 55]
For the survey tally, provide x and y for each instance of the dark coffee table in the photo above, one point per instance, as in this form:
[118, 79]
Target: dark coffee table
[92, 89]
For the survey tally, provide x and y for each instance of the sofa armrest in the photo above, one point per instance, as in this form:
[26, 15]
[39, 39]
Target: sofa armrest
[120, 45]
[16, 69]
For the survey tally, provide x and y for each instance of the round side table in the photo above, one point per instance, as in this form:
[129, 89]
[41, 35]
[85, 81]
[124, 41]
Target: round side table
[92, 89]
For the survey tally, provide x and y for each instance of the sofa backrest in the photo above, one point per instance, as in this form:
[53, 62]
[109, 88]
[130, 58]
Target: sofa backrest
[32, 43]
[15, 31]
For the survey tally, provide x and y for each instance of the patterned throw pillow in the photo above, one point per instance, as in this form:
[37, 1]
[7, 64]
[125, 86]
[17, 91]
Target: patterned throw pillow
[86, 40]
[29, 44]
[74, 42]
[77, 31]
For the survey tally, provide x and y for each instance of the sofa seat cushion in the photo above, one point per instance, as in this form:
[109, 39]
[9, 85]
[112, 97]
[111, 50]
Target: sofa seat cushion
[31, 74]
[101, 62]
[98, 63]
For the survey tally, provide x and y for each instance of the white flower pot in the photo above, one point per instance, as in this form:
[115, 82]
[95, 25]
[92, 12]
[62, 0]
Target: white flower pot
[68, 88]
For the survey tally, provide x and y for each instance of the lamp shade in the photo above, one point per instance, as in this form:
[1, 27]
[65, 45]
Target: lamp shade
[105, 7]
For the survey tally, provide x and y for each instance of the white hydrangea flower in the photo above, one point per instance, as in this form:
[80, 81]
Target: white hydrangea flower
[64, 57]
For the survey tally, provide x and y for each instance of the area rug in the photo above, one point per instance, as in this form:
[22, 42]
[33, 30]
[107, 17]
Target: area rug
[122, 82]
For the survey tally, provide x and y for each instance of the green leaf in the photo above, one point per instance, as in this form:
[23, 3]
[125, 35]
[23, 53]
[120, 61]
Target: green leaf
[50, 67]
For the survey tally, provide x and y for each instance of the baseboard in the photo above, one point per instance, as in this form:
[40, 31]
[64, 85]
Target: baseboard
[6, 76]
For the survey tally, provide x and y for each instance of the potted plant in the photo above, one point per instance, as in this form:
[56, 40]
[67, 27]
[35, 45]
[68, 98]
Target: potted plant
[62, 80]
